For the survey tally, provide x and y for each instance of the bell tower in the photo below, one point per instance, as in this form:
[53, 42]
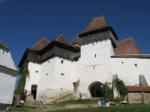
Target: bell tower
[97, 42]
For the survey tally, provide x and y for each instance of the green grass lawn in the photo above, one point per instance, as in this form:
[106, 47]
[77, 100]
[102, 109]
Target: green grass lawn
[48, 108]
[130, 108]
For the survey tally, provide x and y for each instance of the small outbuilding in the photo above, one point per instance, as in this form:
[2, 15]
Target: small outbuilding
[8, 72]
[138, 94]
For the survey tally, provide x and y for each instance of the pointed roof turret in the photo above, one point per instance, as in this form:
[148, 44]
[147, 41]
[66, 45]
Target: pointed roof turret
[3, 45]
[75, 40]
[41, 44]
[96, 23]
[61, 39]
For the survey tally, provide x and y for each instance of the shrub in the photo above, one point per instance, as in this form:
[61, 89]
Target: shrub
[120, 86]
[108, 91]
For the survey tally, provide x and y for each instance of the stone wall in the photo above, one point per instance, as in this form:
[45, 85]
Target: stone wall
[136, 97]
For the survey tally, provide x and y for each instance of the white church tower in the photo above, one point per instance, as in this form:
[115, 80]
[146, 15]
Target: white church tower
[97, 42]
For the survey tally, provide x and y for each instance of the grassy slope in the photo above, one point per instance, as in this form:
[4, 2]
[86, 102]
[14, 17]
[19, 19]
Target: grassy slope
[130, 108]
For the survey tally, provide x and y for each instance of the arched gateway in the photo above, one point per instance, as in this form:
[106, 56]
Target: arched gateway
[95, 89]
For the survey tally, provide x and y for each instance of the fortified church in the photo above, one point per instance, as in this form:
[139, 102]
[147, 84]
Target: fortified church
[82, 66]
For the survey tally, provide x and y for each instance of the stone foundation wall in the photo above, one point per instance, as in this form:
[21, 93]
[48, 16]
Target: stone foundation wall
[137, 97]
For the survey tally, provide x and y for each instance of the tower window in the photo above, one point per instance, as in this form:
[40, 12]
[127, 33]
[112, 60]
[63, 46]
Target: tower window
[62, 74]
[36, 71]
[93, 67]
[62, 61]
[136, 66]
[95, 55]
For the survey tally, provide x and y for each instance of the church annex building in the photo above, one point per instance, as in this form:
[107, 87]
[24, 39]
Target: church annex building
[83, 65]
[8, 72]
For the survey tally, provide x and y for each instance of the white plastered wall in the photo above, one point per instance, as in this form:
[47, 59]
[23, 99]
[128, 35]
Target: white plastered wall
[34, 75]
[95, 68]
[7, 85]
[49, 79]
[6, 58]
[129, 69]
[7, 76]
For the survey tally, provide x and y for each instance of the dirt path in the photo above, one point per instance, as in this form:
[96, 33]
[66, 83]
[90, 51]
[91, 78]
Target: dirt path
[44, 108]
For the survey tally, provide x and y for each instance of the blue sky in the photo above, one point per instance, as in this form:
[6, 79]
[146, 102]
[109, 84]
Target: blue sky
[24, 22]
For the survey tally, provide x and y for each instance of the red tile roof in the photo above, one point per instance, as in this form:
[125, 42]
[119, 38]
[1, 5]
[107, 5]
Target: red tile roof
[127, 46]
[138, 88]
[41, 44]
[96, 23]
[3, 45]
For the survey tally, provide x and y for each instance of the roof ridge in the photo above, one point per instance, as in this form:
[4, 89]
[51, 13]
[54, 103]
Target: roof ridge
[59, 36]
[40, 44]
[75, 40]
[136, 45]
[95, 24]
[66, 39]
[40, 41]
[129, 46]
[126, 39]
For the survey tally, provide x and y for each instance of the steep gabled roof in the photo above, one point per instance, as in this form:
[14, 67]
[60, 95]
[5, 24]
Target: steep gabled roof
[41, 44]
[75, 40]
[61, 39]
[3, 45]
[138, 88]
[127, 46]
[96, 23]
